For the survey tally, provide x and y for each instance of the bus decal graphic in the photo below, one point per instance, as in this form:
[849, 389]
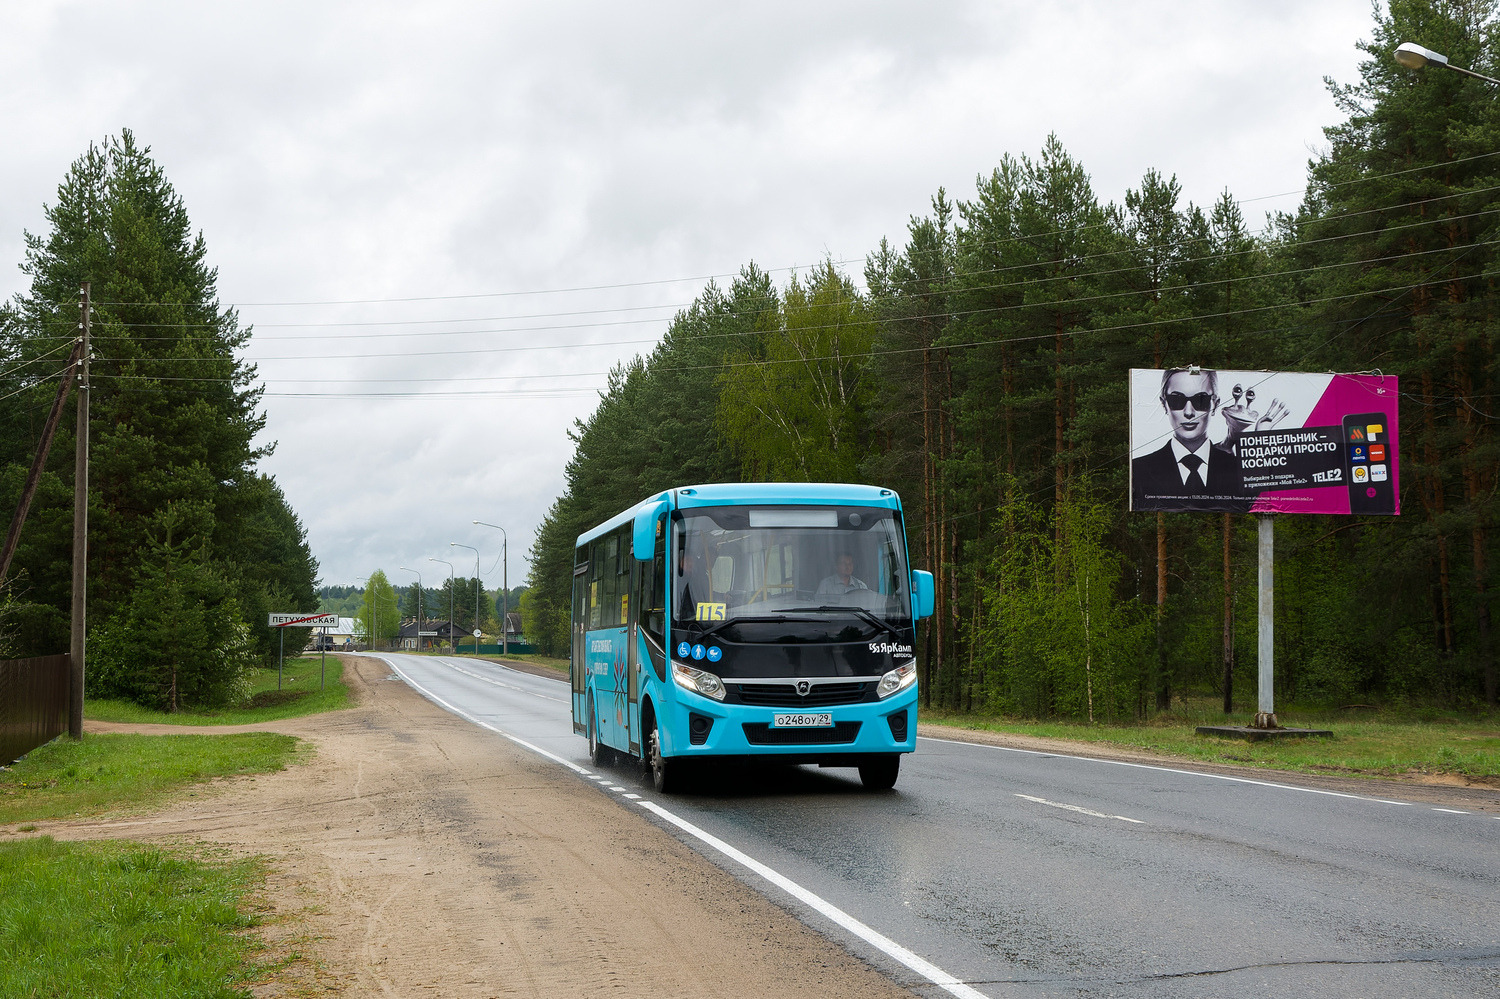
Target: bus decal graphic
[621, 693]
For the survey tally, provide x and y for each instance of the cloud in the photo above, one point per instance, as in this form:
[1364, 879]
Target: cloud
[340, 151]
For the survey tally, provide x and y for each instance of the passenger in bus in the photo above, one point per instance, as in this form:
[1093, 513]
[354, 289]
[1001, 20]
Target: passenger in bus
[843, 580]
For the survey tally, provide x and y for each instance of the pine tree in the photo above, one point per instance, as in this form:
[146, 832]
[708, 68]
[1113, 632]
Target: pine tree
[174, 412]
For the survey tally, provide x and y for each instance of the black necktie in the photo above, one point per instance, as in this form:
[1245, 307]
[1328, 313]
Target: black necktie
[1192, 463]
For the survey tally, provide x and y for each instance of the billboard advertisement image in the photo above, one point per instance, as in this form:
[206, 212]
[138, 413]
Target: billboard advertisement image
[1204, 439]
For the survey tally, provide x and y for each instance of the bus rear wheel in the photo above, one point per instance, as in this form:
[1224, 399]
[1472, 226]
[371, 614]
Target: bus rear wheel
[666, 773]
[599, 753]
[880, 773]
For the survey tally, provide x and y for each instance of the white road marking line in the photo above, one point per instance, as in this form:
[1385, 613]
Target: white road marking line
[1167, 770]
[885, 944]
[879, 941]
[614, 788]
[1450, 811]
[1081, 809]
[435, 699]
[499, 683]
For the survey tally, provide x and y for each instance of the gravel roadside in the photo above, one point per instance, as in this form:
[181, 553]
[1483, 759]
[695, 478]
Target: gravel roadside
[417, 854]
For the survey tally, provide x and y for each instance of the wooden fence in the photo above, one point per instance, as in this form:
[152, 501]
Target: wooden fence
[33, 703]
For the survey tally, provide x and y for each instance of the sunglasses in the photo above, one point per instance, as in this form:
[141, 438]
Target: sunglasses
[1202, 401]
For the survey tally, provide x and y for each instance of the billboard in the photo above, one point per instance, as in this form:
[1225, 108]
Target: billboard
[1263, 442]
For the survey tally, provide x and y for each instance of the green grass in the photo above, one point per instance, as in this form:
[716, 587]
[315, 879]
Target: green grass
[113, 919]
[65, 779]
[1370, 743]
[299, 695]
[535, 659]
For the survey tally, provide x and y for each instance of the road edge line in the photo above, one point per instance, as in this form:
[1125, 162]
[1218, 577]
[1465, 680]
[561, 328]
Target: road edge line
[817, 903]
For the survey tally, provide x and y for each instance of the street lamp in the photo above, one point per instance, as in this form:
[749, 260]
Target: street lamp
[1413, 56]
[504, 587]
[450, 597]
[478, 591]
[419, 604]
[374, 609]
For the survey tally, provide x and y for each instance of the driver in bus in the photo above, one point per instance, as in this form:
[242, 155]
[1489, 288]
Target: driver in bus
[843, 580]
[694, 583]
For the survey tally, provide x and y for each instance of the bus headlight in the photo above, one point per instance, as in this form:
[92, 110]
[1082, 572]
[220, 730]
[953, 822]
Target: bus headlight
[698, 680]
[897, 680]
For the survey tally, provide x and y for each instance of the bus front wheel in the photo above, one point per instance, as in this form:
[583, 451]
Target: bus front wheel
[880, 773]
[666, 773]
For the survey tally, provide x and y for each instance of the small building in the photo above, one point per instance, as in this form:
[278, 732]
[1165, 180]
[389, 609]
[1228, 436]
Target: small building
[337, 639]
[430, 635]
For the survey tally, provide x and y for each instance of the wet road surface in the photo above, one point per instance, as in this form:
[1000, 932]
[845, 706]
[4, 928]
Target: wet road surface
[1032, 874]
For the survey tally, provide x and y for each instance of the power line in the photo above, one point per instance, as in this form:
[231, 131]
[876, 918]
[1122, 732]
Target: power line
[946, 314]
[950, 290]
[1076, 332]
[766, 270]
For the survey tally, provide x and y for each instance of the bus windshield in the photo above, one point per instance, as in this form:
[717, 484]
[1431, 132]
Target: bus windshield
[809, 573]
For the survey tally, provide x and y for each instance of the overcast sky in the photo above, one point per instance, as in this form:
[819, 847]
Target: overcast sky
[544, 184]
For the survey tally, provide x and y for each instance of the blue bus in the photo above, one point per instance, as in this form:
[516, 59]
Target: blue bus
[738, 621]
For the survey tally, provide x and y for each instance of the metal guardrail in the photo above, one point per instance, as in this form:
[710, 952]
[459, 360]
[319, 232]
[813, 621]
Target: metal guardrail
[33, 703]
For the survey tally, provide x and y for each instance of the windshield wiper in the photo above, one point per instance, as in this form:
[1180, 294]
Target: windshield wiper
[719, 626]
[880, 623]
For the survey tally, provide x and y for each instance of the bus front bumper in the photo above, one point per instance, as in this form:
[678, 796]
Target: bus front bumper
[738, 730]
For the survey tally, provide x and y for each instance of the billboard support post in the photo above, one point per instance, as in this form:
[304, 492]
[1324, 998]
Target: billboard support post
[1265, 716]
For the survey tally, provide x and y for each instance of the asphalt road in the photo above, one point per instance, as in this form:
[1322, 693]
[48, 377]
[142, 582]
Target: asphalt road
[1033, 874]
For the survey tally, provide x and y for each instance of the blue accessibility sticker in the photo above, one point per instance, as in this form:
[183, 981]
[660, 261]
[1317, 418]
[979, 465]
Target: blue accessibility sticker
[684, 650]
[699, 651]
[715, 653]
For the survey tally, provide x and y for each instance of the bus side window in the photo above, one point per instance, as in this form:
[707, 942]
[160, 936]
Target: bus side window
[653, 597]
[596, 564]
[623, 563]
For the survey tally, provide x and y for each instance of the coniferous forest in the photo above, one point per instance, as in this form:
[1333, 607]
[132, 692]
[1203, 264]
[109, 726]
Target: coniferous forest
[980, 370]
[189, 544]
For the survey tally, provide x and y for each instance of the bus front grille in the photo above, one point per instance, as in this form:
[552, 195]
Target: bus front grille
[761, 734]
[784, 695]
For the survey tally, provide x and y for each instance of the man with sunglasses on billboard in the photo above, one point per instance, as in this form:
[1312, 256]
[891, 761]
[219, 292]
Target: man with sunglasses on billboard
[1189, 472]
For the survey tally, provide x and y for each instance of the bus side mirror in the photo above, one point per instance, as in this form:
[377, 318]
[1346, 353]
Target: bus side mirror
[923, 595]
[644, 540]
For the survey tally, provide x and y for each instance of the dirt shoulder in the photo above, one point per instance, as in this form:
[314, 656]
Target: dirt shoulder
[417, 854]
[1446, 792]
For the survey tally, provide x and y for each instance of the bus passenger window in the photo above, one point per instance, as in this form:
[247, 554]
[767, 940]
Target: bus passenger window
[653, 605]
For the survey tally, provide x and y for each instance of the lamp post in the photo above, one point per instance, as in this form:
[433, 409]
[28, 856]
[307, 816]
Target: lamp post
[1413, 56]
[419, 603]
[504, 587]
[478, 590]
[450, 597]
[369, 592]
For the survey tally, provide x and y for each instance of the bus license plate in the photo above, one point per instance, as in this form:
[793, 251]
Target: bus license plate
[821, 720]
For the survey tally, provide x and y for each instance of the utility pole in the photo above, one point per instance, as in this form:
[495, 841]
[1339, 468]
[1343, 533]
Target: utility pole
[419, 605]
[478, 592]
[80, 534]
[451, 637]
[504, 587]
[39, 462]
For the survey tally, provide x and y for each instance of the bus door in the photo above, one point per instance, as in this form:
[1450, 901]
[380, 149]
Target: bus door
[608, 640]
[651, 625]
[633, 658]
[578, 666]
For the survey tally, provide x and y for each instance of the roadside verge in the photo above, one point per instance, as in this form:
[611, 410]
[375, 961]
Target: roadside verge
[417, 852]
